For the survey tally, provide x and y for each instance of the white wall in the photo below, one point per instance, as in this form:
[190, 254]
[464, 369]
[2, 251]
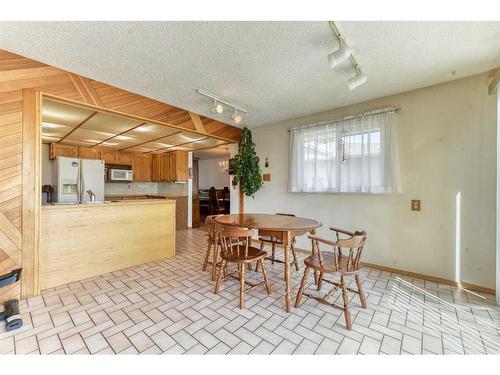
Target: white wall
[209, 174]
[447, 144]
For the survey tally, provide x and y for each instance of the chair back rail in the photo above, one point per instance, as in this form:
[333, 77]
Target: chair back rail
[234, 241]
[354, 245]
[211, 227]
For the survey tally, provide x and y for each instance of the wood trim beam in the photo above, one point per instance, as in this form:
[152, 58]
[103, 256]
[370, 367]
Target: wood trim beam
[198, 125]
[86, 90]
[131, 116]
[76, 127]
[180, 144]
[151, 140]
[31, 193]
[117, 135]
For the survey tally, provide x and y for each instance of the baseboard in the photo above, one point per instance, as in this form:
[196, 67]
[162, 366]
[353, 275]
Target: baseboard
[472, 287]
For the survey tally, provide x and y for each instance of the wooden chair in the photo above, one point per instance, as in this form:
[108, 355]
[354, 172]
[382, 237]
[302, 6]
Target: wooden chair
[235, 248]
[213, 202]
[274, 238]
[336, 262]
[213, 242]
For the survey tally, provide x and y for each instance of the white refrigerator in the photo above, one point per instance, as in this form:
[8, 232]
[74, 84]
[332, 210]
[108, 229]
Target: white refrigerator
[73, 177]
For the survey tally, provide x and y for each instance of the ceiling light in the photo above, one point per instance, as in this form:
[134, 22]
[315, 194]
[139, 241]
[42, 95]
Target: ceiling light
[236, 117]
[359, 79]
[338, 57]
[48, 125]
[217, 108]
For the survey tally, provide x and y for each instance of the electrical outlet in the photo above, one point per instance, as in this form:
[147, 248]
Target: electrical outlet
[415, 205]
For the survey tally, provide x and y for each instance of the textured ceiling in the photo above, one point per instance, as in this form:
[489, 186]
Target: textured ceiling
[275, 70]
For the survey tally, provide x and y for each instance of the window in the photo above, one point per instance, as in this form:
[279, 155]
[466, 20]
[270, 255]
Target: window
[353, 155]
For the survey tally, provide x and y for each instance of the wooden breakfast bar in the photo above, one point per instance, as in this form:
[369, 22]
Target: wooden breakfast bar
[85, 240]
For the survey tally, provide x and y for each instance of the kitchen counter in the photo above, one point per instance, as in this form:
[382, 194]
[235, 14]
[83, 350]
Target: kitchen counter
[181, 211]
[108, 202]
[79, 241]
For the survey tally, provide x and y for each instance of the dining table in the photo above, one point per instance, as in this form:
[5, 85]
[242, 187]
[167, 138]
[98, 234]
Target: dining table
[289, 227]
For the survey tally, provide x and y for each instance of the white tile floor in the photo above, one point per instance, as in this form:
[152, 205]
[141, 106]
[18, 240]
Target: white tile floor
[169, 307]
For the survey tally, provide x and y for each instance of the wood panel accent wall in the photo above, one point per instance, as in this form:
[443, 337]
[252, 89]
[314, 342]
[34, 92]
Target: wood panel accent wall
[20, 78]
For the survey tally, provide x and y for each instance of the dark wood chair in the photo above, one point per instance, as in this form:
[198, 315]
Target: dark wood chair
[213, 202]
[274, 238]
[213, 244]
[235, 248]
[343, 260]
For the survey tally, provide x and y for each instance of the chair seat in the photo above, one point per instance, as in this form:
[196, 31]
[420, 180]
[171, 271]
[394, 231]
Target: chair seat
[253, 255]
[329, 263]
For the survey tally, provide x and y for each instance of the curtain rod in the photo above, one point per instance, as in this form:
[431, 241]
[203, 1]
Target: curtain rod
[350, 117]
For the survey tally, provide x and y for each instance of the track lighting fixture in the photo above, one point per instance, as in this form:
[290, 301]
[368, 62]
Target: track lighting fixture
[236, 117]
[346, 53]
[218, 107]
[359, 79]
[339, 56]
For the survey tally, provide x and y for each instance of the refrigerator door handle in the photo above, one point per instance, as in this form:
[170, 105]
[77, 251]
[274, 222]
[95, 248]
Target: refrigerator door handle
[79, 182]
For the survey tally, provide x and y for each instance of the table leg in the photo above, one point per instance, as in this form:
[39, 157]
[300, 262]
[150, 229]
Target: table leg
[286, 247]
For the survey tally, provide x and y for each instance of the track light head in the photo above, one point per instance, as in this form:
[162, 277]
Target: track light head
[339, 56]
[359, 79]
[217, 108]
[236, 117]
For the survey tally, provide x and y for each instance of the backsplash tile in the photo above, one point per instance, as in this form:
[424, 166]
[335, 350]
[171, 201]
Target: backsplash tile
[140, 188]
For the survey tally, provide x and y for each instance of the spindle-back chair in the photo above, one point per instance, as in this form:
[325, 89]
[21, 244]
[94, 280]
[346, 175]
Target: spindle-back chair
[343, 260]
[235, 248]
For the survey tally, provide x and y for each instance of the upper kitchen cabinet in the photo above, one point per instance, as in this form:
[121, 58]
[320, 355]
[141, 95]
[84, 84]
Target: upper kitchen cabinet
[57, 149]
[143, 168]
[170, 167]
[89, 153]
[178, 166]
[116, 157]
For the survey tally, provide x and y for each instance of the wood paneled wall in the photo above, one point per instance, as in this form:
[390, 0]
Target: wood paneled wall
[20, 75]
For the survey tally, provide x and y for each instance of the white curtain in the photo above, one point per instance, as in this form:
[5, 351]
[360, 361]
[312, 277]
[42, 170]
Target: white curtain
[352, 155]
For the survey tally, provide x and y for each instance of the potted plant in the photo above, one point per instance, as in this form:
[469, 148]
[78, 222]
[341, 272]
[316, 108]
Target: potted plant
[245, 165]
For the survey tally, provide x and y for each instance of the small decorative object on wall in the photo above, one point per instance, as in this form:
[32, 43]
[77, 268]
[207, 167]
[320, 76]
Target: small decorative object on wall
[266, 164]
[245, 165]
[266, 177]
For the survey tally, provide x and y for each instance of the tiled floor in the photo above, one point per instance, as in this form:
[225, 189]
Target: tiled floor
[169, 307]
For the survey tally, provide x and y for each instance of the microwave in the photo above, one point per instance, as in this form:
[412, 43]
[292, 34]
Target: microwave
[120, 175]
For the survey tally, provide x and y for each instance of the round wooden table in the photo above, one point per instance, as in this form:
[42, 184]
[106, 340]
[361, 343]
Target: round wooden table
[289, 226]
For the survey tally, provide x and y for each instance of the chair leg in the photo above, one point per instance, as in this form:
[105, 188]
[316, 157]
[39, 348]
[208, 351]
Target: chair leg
[295, 258]
[320, 281]
[273, 251]
[206, 257]
[345, 297]
[257, 264]
[360, 292]
[264, 272]
[242, 266]
[215, 259]
[219, 278]
[302, 286]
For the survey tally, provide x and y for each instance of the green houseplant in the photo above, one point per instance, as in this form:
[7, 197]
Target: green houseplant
[245, 165]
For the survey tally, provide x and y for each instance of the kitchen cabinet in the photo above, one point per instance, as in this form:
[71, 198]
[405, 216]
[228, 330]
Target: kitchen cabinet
[89, 153]
[170, 167]
[156, 168]
[109, 156]
[57, 149]
[116, 157]
[178, 166]
[165, 168]
[143, 168]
